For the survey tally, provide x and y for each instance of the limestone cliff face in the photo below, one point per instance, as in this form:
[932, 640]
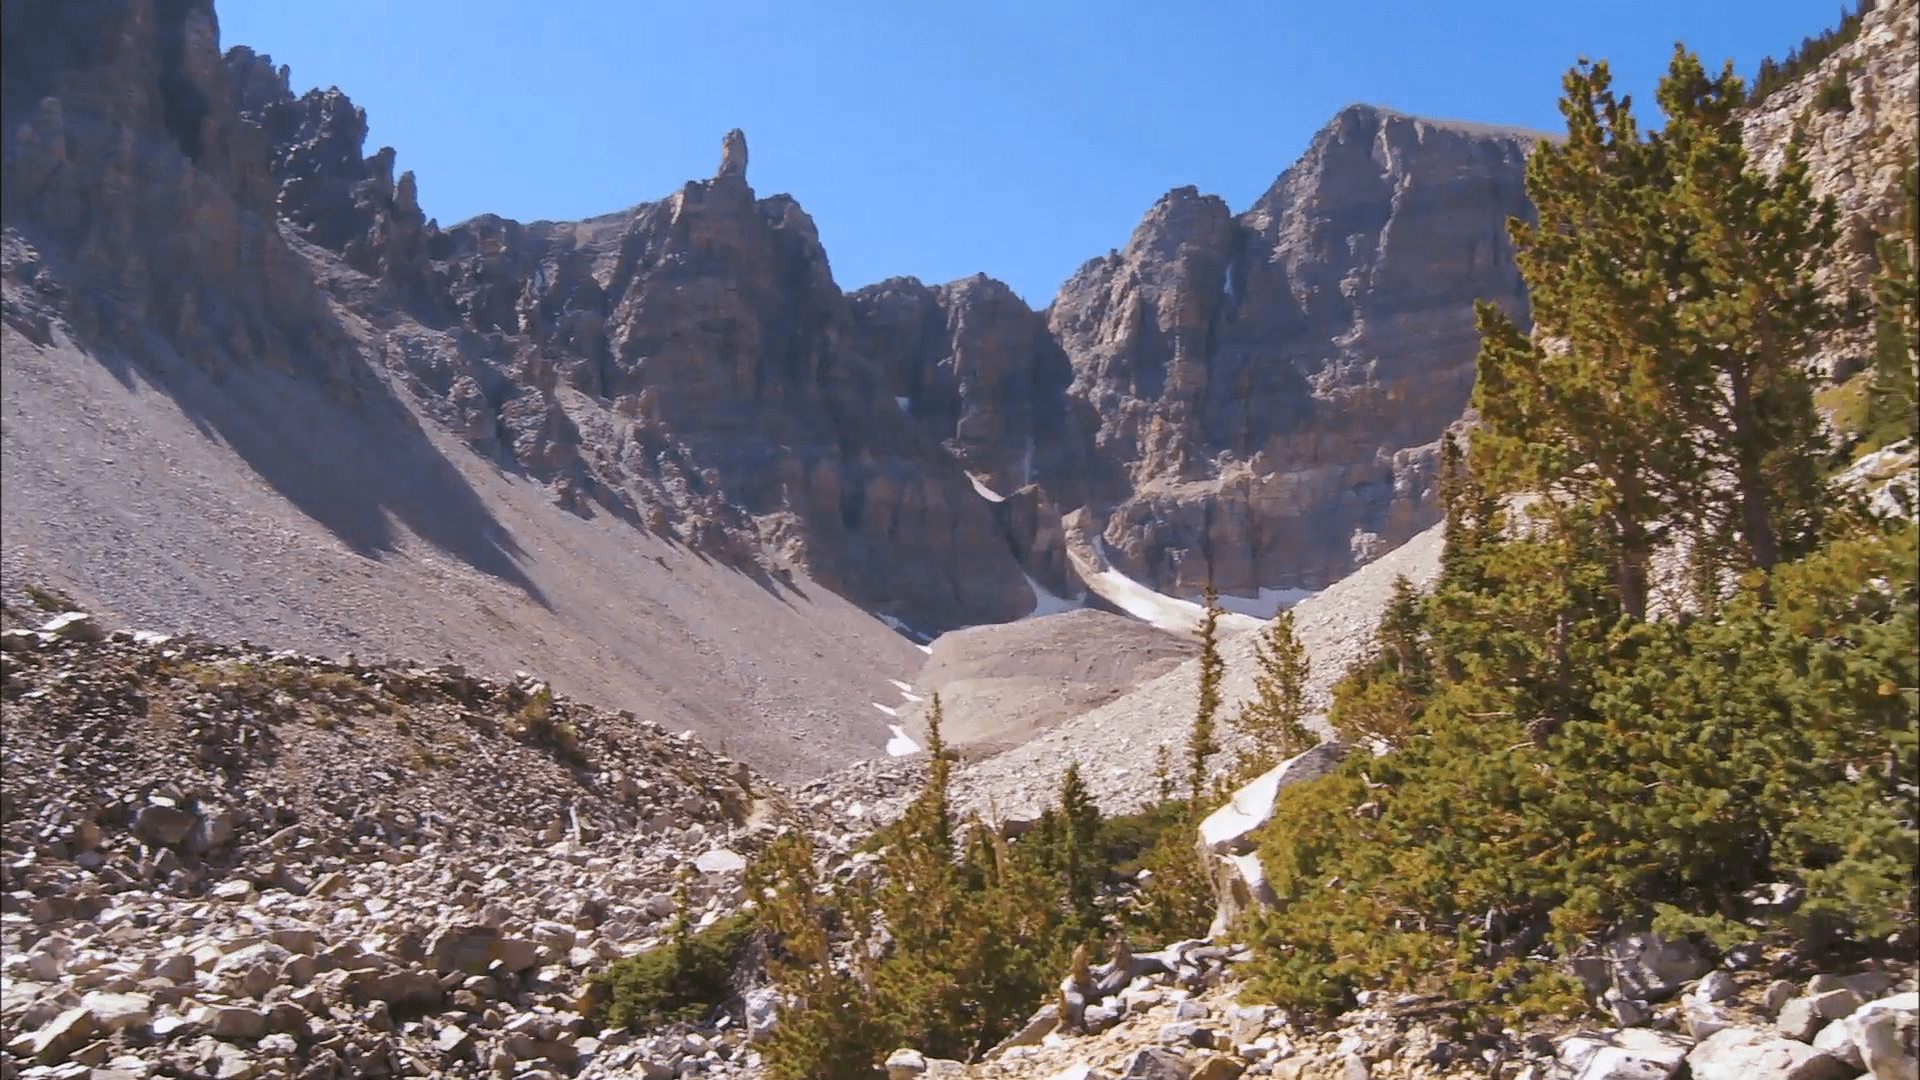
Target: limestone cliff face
[685, 365]
[139, 204]
[1270, 386]
[1859, 152]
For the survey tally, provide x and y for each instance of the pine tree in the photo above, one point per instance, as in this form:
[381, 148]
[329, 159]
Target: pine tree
[1665, 386]
[1579, 413]
[1272, 721]
[1747, 317]
[1081, 866]
[1894, 408]
[1202, 744]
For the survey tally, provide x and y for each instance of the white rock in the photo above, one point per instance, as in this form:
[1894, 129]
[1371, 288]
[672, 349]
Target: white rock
[720, 861]
[906, 1064]
[1752, 1054]
[1887, 1034]
[1226, 830]
[1624, 1054]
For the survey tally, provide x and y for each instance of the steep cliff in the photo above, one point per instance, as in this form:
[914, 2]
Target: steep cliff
[1852, 119]
[1271, 385]
[686, 365]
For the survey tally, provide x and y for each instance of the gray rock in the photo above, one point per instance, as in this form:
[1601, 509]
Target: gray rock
[161, 824]
[763, 1005]
[1837, 1039]
[1625, 1054]
[1153, 1063]
[1887, 1034]
[1742, 1053]
[1717, 986]
[1652, 968]
[1185, 1033]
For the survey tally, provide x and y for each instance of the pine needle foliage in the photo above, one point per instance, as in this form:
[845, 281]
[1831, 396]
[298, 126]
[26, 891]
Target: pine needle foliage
[1894, 408]
[952, 948]
[1273, 721]
[1558, 767]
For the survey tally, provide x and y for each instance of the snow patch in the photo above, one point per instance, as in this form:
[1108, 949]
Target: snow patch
[906, 406]
[900, 745]
[888, 709]
[1045, 603]
[1154, 608]
[986, 492]
[906, 691]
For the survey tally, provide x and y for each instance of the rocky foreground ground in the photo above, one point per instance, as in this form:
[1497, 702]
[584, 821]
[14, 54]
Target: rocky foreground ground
[195, 886]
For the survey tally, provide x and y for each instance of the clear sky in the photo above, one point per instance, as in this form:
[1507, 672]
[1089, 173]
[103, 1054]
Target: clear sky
[937, 139]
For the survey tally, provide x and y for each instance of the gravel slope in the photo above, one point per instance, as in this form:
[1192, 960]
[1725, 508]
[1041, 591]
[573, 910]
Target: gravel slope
[258, 505]
[1001, 684]
[1114, 744]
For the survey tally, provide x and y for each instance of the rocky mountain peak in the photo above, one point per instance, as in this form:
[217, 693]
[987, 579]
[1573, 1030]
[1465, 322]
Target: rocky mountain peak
[733, 156]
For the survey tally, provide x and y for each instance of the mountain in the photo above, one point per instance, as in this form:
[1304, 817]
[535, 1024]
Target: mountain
[314, 417]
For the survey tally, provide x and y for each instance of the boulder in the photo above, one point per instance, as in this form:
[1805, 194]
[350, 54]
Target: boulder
[466, 948]
[159, 823]
[1803, 1017]
[1038, 1026]
[1837, 1040]
[906, 1064]
[1228, 830]
[1648, 967]
[73, 626]
[720, 861]
[1239, 886]
[1218, 1068]
[116, 1012]
[1153, 1063]
[1887, 1035]
[62, 1035]
[1624, 1054]
[763, 1006]
[1743, 1053]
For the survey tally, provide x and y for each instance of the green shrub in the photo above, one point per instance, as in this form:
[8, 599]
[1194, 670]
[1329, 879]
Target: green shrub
[1774, 742]
[684, 980]
[1835, 93]
[1774, 74]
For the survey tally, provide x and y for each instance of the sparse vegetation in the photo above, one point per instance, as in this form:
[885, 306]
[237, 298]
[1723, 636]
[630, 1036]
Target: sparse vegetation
[50, 599]
[687, 979]
[1835, 94]
[1806, 56]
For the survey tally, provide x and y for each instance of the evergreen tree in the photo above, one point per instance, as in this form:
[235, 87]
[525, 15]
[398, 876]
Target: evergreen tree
[1666, 383]
[1580, 413]
[1380, 699]
[1081, 864]
[1272, 721]
[1894, 409]
[1746, 318]
[1202, 743]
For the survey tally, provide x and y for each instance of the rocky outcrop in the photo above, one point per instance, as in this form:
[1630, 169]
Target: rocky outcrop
[139, 205]
[1858, 145]
[1272, 385]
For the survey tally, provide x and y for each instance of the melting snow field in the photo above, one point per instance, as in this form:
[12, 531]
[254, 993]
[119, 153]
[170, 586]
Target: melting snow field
[1045, 603]
[900, 745]
[1154, 608]
[986, 492]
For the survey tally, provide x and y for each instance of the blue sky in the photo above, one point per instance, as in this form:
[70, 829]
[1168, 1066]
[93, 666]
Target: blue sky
[943, 139]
